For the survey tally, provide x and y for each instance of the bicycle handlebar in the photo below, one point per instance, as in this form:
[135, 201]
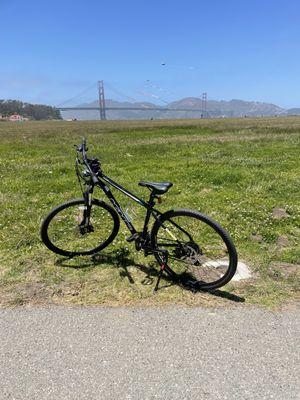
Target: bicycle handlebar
[83, 149]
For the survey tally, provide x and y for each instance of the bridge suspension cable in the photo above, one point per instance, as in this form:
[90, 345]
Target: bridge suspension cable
[94, 85]
[118, 92]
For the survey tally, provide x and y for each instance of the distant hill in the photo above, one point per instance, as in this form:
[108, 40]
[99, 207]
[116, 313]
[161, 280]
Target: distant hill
[216, 109]
[293, 111]
[232, 108]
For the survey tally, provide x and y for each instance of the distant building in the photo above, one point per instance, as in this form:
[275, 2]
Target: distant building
[15, 117]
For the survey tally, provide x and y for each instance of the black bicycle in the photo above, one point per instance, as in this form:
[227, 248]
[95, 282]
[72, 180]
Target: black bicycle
[191, 248]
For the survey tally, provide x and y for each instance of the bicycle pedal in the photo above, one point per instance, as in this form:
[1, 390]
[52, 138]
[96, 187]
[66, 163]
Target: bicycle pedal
[133, 237]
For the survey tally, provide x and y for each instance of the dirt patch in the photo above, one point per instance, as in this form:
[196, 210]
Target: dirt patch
[280, 270]
[256, 238]
[279, 213]
[291, 305]
[26, 294]
[282, 241]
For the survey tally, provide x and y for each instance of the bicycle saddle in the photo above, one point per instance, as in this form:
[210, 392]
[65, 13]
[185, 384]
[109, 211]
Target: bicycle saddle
[157, 187]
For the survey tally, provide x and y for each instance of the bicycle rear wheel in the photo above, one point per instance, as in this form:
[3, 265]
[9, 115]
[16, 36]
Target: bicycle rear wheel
[200, 251]
[61, 233]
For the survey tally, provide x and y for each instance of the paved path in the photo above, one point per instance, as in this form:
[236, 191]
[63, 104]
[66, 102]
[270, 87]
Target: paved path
[174, 353]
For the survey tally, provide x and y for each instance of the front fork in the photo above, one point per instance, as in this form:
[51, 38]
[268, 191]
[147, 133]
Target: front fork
[85, 225]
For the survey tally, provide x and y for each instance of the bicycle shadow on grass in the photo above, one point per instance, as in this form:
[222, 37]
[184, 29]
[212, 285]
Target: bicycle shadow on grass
[122, 260]
[226, 295]
[119, 259]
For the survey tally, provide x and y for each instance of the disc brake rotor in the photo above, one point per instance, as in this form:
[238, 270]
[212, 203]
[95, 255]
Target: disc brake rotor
[188, 252]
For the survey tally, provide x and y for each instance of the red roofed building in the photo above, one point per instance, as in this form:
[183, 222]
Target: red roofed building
[15, 117]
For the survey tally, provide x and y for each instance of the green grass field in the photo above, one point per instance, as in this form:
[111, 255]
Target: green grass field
[240, 172]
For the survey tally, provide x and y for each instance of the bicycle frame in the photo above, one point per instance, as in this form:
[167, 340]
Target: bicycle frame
[101, 183]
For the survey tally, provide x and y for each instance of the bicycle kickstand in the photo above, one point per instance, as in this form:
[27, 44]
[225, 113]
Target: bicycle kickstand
[162, 267]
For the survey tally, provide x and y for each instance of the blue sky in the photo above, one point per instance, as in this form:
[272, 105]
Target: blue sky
[51, 51]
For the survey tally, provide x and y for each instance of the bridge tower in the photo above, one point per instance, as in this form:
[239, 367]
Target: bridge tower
[101, 100]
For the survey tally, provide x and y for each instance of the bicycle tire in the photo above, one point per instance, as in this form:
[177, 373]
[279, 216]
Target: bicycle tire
[58, 249]
[161, 225]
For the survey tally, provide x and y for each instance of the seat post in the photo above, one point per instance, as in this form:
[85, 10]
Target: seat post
[151, 199]
[148, 214]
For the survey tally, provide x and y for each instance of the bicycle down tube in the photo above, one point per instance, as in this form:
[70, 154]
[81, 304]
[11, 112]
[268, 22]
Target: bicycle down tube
[118, 207]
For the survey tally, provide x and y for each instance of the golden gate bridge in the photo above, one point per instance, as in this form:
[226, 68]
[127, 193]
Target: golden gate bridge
[102, 107]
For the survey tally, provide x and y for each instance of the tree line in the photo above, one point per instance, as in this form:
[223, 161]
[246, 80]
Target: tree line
[27, 110]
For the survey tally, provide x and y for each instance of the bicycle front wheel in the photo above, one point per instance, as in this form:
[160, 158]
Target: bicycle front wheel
[200, 251]
[61, 233]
